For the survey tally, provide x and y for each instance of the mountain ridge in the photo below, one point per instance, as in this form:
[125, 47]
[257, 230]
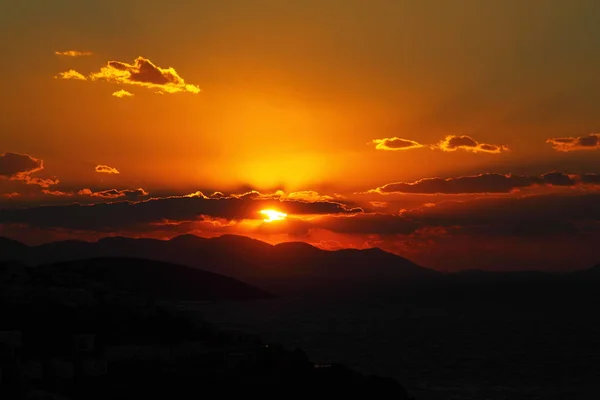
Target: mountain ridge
[290, 266]
[249, 260]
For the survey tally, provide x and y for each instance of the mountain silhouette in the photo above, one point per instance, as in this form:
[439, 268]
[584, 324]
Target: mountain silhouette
[285, 266]
[295, 267]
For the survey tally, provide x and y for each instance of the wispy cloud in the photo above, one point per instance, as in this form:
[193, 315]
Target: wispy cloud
[395, 143]
[566, 144]
[467, 143]
[146, 74]
[105, 169]
[57, 193]
[71, 74]
[73, 53]
[122, 93]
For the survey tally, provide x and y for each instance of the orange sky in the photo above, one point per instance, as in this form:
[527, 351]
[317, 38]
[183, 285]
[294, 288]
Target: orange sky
[335, 97]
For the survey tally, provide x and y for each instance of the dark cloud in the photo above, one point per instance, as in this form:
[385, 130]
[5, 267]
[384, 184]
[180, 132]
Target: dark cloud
[566, 144]
[13, 164]
[593, 179]
[395, 143]
[466, 143]
[559, 179]
[125, 215]
[483, 183]
[20, 167]
[541, 215]
[146, 74]
[374, 223]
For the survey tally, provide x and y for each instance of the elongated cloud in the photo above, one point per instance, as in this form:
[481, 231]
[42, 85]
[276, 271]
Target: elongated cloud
[11, 195]
[122, 93]
[467, 143]
[309, 195]
[115, 193]
[177, 209]
[71, 75]
[105, 169]
[73, 53]
[484, 183]
[57, 193]
[146, 74]
[395, 144]
[566, 144]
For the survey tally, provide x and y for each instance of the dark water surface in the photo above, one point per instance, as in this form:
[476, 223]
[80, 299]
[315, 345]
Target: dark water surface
[436, 351]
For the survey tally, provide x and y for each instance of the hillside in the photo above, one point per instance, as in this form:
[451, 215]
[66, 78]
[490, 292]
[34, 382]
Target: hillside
[154, 279]
[288, 266]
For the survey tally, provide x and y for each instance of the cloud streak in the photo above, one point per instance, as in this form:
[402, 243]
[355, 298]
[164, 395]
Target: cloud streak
[467, 143]
[395, 144]
[566, 144]
[73, 53]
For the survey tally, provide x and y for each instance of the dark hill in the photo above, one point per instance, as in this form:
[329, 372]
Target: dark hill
[289, 266]
[145, 277]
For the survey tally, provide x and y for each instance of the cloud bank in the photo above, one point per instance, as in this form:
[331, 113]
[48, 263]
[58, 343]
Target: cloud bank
[485, 183]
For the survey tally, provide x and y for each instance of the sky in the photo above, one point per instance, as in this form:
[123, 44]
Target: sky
[460, 134]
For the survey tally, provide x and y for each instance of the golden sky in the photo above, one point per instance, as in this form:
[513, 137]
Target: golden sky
[400, 109]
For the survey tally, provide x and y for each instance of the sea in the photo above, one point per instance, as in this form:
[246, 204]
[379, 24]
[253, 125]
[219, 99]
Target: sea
[436, 351]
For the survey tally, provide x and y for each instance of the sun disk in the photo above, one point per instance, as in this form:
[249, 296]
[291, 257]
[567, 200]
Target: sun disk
[273, 215]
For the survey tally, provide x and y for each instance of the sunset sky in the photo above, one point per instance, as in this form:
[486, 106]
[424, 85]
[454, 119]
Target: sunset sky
[457, 133]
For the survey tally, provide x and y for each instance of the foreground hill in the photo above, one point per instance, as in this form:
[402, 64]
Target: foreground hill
[154, 279]
[70, 332]
[282, 267]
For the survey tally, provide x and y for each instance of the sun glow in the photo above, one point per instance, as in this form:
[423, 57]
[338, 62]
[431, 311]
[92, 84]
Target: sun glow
[273, 215]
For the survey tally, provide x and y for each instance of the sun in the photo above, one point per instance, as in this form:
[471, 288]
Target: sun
[273, 215]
